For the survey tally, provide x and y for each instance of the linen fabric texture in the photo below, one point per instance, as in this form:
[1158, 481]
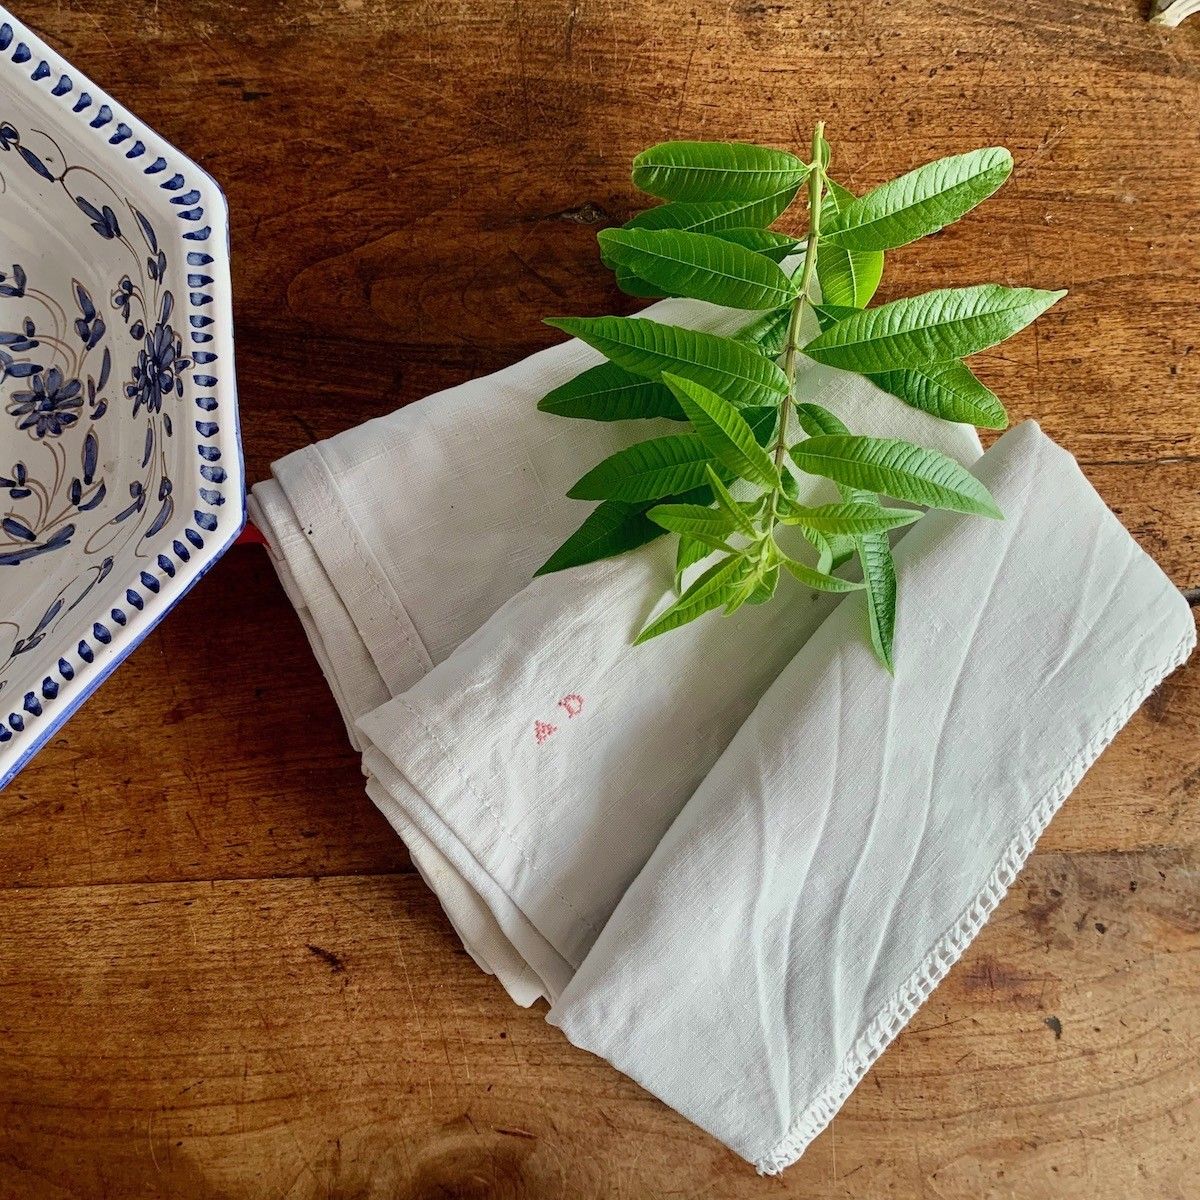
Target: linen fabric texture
[858, 830]
[738, 857]
[528, 755]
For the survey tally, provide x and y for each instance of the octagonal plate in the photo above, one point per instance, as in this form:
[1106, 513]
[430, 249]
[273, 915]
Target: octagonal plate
[120, 466]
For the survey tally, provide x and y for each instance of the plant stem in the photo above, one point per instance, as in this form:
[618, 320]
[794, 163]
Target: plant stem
[816, 187]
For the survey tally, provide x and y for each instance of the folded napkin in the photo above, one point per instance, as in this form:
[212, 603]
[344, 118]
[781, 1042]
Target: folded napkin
[859, 829]
[397, 538]
[531, 770]
[546, 757]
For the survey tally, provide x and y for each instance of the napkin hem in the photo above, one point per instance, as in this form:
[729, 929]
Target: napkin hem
[388, 631]
[946, 951]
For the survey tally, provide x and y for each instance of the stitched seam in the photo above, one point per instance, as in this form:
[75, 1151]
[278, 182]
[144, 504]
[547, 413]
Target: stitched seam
[495, 812]
[391, 602]
[949, 947]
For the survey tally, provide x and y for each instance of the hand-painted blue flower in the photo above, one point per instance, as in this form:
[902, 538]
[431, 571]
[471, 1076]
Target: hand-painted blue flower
[103, 219]
[50, 406]
[159, 368]
[19, 343]
[89, 325]
[15, 483]
[122, 296]
[16, 289]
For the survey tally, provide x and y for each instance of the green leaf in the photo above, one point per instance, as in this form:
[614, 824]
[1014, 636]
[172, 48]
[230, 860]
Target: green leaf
[687, 554]
[847, 277]
[823, 547]
[713, 215]
[631, 285]
[714, 589]
[829, 315]
[948, 390]
[724, 432]
[815, 420]
[611, 528]
[610, 393]
[934, 327]
[842, 549]
[765, 588]
[919, 203]
[728, 504]
[745, 588]
[879, 575]
[768, 332]
[709, 526]
[699, 265]
[836, 197]
[647, 470]
[772, 245]
[715, 171]
[817, 580]
[847, 519]
[754, 508]
[896, 468]
[763, 421]
[730, 368]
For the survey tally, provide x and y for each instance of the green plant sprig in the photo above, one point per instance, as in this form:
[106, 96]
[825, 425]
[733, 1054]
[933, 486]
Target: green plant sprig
[727, 485]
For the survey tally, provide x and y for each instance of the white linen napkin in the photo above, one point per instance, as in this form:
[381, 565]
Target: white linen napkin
[547, 756]
[859, 830]
[397, 538]
[533, 771]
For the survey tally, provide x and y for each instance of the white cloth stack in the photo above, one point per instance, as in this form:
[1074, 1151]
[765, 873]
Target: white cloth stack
[858, 830]
[736, 858]
[531, 759]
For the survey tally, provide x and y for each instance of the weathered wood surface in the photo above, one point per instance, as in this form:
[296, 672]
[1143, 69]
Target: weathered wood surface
[218, 975]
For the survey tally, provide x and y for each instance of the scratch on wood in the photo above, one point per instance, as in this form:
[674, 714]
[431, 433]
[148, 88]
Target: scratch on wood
[520, 1133]
[326, 956]
[572, 17]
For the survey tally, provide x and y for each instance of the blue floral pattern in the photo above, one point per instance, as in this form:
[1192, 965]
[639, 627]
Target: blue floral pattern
[158, 371]
[131, 526]
[50, 406]
[63, 377]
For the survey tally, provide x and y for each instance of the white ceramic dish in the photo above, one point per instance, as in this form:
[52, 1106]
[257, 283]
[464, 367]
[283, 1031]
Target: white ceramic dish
[120, 466]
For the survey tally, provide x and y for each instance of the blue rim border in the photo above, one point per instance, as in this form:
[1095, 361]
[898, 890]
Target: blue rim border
[221, 492]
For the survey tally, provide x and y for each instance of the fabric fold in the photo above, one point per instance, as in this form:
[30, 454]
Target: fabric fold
[859, 829]
[401, 544]
[397, 538]
[546, 756]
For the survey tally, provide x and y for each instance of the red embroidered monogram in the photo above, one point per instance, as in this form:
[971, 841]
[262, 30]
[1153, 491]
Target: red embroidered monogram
[572, 704]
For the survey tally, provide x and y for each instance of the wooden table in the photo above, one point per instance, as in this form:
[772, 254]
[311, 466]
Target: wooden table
[219, 975]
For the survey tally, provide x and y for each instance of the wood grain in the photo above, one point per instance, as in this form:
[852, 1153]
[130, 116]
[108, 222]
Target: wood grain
[328, 1037]
[218, 975]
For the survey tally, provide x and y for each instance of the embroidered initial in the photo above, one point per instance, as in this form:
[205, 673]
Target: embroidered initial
[572, 703]
[542, 730]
